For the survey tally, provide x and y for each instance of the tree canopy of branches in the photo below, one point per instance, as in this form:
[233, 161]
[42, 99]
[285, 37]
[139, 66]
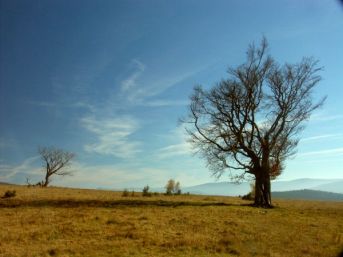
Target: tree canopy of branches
[250, 122]
[55, 162]
[173, 187]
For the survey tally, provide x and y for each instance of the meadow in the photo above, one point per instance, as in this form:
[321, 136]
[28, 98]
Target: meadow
[78, 222]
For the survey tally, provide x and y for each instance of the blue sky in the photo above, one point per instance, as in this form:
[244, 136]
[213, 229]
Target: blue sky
[108, 80]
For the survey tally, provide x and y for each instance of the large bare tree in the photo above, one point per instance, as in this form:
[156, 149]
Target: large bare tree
[250, 122]
[55, 162]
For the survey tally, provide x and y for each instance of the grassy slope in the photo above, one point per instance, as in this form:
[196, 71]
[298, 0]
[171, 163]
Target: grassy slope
[75, 222]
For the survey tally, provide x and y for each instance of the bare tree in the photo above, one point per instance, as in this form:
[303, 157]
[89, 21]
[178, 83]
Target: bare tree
[249, 123]
[55, 162]
[170, 186]
[173, 187]
[177, 188]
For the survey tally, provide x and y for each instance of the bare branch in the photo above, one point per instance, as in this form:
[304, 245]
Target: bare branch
[55, 162]
[250, 122]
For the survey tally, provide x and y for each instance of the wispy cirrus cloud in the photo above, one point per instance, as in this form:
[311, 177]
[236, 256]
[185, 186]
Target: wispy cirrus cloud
[178, 145]
[323, 153]
[323, 117]
[320, 137]
[112, 136]
[27, 167]
[137, 88]
[181, 149]
[112, 176]
[165, 102]
[130, 82]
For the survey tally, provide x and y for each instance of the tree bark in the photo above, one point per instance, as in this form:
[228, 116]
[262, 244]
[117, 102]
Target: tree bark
[263, 190]
[47, 175]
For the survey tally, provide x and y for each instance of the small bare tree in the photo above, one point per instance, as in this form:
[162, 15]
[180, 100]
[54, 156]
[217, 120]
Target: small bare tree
[249, 123]
[177, 188]
[170, 186]
[55, 162]
[173, 187]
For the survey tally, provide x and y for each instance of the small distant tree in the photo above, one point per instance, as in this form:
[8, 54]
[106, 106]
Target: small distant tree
[146, 191]
[170, 186]
[173, 187]
[55, 162]
[177, 188]
[125, 193]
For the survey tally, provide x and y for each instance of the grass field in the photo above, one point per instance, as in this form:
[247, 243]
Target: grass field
[74, 222]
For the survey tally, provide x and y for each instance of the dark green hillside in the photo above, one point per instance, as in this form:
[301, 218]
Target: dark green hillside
[307, 194]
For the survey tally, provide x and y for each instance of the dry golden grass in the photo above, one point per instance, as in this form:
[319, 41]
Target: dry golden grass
[75, 222]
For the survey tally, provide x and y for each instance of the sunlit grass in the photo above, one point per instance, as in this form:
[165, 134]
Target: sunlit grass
[75, 222]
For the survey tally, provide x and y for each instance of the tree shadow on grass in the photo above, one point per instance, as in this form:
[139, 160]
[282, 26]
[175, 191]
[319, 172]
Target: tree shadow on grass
[108, 204]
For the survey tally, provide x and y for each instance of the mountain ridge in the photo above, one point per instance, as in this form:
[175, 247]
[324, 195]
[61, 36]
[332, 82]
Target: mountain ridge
[232, 189]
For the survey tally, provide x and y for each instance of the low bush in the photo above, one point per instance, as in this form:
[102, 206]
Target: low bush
[146, 191]
[125, 193]
[248, 196]
[9, 194]
[251, 195]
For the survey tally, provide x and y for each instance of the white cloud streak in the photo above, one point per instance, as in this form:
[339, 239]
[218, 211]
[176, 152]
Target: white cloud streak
[319, 137]
[162, 103]
[178, 146]
[325, 117]
[112, 176]
[26, 167]
[136, 89]
[182, 149]
[131, 82]
[112, 136]
[323, 153]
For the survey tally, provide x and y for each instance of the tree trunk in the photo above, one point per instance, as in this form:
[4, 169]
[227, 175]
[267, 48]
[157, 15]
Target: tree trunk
[47, 175]
[263, 190]
[46, 182]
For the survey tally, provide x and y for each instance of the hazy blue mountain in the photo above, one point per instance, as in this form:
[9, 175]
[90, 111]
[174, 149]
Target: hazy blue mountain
[220, 188]
[232, 189]
[307, 183]
[336, 187]
[307, 194]
[5, 184]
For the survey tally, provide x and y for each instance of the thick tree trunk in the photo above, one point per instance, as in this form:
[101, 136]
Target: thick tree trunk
[263, 190]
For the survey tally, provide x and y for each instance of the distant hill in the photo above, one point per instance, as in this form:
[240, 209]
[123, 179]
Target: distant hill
[330, 185]
[335, 186]
[220, 188]
[5, 184]
[232, 189]
[307, 194]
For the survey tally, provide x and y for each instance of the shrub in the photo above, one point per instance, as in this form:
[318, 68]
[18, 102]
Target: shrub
[52, 252]
[125, 193]
[9, 194]
[251, 194]
[146, 191]
[248, 196]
